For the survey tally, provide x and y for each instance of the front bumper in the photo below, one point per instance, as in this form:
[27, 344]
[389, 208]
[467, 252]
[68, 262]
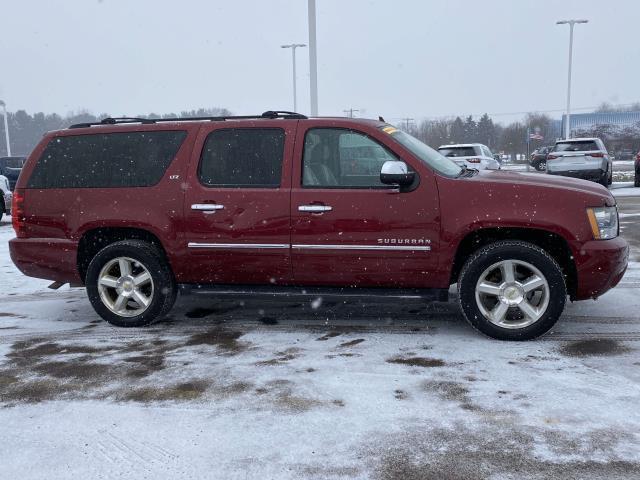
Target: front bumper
[600, 265]
[8, 196]
[49, 258]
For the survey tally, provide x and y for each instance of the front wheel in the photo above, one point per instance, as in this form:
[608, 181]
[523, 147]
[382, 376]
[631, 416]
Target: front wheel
[512, 290]
[130, 284]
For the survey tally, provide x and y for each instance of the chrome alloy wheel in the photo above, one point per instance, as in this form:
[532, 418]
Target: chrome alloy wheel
[125, 286]
[512, 294]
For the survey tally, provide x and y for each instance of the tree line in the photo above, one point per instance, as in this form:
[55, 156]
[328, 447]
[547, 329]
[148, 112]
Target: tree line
[509, 139]
[27, 129]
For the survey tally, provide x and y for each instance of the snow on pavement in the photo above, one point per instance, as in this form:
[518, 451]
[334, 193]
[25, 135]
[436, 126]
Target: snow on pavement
[625, 189]
[280, 389]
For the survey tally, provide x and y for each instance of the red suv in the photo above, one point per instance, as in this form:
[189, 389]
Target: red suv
[137, 209]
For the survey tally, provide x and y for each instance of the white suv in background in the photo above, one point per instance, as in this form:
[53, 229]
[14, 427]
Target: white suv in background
[585, 158]
[470, 155]
[5, 196]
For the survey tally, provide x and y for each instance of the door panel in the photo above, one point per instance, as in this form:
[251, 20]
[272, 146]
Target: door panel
[239, 234]
[360, 236]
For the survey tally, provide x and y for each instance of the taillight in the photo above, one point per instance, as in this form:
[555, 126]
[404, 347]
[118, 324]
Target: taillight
[17, 213]
[597, 154]
[473, 160]
[551, 157]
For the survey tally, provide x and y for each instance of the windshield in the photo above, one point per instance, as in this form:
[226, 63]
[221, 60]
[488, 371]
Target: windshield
[428, 155]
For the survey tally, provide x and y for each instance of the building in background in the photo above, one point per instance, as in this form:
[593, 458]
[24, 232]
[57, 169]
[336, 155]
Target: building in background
[619, 130]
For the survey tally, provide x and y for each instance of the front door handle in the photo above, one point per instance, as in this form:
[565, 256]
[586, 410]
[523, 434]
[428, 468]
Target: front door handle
[207, 207]
[314, 208]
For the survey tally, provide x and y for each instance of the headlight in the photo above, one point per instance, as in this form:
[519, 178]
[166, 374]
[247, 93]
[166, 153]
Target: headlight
[604, 222]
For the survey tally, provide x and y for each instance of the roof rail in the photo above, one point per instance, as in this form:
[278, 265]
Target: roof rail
[270, 114]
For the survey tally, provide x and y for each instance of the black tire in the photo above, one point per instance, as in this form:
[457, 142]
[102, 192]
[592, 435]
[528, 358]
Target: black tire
[541, 166]
[636, 181]
[511, 250]
[164, 291]
[604, 179]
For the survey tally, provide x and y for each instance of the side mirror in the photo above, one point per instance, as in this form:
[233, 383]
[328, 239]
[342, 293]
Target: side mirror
[394, 172]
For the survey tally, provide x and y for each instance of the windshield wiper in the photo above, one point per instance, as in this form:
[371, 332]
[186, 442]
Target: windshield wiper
[467, 172]
[463, 169]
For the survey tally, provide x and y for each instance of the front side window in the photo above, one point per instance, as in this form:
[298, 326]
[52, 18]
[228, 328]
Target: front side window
[243, 157]
[341, 158]
[108, 160]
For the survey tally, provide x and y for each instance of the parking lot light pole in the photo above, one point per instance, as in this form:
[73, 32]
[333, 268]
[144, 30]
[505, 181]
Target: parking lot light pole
[571, 23]
[293, 47]
[313, 58]
[6, 127]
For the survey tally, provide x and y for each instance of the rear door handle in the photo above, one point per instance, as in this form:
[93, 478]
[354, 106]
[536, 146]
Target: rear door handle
[314, 208]
[207, 207]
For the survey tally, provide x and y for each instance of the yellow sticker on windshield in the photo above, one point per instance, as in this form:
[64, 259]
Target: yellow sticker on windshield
[390, 130]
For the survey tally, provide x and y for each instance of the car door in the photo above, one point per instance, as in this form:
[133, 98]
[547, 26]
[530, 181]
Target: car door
[237, 203]
[349, 229]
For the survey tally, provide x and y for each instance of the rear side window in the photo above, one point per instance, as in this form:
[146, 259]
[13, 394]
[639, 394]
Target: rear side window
[242, 157]
[585, 146]
[109, 160]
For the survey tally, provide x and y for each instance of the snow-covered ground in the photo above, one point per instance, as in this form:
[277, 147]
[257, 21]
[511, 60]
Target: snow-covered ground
[266, 389]
[625, 189]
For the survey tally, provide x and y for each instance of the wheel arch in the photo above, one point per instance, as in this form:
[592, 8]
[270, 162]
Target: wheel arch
[551, 242]
[94, 240]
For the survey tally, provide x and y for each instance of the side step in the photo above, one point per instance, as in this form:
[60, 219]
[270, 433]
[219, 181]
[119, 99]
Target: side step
[425, 294]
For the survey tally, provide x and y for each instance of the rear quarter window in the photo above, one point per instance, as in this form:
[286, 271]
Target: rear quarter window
[109, 160]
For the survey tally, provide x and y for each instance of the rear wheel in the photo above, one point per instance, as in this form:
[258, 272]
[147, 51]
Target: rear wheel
[512, 290]
[604, 179]
[130, 284]
[636, 182]
[541, 166]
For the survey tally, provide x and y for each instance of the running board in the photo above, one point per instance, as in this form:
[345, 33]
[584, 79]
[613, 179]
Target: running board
[426, 294]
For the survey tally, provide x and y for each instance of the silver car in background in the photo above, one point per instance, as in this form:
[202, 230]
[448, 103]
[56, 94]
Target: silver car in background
[585, 158]
[471, 155]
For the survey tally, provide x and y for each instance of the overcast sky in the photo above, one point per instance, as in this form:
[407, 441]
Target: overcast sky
[400, 58]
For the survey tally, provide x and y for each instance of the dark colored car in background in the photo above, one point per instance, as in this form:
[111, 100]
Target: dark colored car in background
[11, 167]
[538, 158]
[137, 209]
[636, 183]
[626, 154]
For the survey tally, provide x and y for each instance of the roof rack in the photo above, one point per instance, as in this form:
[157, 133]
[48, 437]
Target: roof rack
[270, 114]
